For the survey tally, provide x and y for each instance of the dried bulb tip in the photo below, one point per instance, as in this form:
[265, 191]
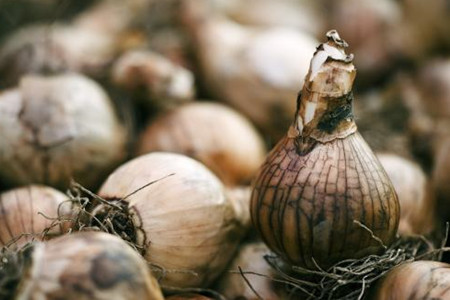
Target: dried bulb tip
[332, 50]
[333, 36]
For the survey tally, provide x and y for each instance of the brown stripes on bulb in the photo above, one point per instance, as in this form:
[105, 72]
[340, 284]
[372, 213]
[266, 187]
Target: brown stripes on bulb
[304, 206]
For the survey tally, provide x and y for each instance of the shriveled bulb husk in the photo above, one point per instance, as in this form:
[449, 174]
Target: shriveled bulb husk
[33, 212]
[40, 48]
[165, 83]
[256, 70]
[183, 222]
[219, 137]
[414, 192]
[87, 265]
[254, 269]
[322, 196]
[56, 128]
[414, 280]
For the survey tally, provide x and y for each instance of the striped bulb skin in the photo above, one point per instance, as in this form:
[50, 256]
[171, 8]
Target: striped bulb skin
[309, 207]
[322, 196]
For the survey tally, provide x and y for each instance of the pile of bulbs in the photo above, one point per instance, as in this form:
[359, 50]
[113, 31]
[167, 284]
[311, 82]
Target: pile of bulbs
[134, 144]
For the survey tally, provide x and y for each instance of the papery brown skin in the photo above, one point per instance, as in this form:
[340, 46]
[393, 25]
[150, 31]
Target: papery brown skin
[216, 135]
[419, 280]
[415, 194]
[27, 213]
[87, 266]
[304, 206]
[184, 221]
[322, 183]
[57, 128]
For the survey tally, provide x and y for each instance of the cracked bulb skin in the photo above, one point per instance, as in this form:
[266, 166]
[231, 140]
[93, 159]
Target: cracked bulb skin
[321, 193]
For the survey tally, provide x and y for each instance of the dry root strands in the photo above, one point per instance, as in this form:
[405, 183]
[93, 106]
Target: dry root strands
[56, 128]
[88, 265]
[249, 276]
[322, 195]
[165, 83]
[415, 194]
[351, 279]
[32, 212]
[214, 134]
[174, 210]
[257, 71]
[414, 280]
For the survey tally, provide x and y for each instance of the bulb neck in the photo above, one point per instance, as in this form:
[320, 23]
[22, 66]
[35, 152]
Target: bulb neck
[324, 106]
